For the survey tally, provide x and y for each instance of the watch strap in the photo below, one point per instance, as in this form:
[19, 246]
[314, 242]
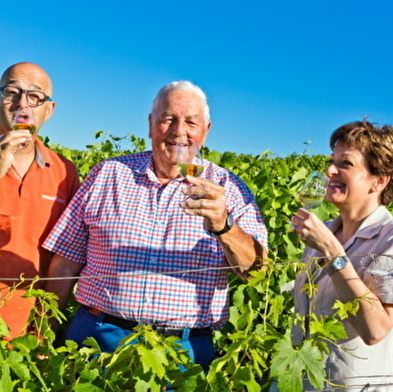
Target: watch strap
[228, 226]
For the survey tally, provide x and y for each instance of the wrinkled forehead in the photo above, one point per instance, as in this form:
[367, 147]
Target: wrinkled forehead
[27, 77]
[350, 151]
[180, 102]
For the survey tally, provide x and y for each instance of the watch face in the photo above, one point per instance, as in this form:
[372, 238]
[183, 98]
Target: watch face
[339, 263]
[228, 226]
[230, 221]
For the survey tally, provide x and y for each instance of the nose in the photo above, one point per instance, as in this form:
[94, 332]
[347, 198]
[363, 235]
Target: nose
[178, 128]
[22, 101]
[331, 170]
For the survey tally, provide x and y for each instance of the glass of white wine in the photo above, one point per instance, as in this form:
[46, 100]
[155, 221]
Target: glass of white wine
[189, 159]
[313, 191]
[24, 119]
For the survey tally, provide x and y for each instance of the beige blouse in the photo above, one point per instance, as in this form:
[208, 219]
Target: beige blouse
[362, 367]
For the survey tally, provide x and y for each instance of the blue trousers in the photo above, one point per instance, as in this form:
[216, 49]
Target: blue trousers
[108, 336]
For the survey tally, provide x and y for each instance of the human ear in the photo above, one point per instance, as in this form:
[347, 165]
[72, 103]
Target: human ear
[208, 127]
[380, 183]
[50, 108]
[149, 120]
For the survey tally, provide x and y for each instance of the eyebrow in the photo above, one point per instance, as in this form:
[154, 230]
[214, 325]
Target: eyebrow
[170, 113]
[166, 113]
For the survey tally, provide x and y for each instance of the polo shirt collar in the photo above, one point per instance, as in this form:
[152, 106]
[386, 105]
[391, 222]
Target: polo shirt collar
[42, 157]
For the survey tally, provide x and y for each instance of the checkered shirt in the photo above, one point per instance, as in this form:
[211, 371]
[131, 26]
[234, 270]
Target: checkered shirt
[145, 258]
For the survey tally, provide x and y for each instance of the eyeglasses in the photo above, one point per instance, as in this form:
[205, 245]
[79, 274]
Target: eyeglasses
[34, 97]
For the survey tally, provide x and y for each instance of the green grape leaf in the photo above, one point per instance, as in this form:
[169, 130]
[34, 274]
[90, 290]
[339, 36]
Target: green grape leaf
[244, 376]
[289, 364]
[328, 327]
[153, 359]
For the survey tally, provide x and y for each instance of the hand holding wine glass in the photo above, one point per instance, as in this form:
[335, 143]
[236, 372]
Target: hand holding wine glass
[313, 191]
[189, 159]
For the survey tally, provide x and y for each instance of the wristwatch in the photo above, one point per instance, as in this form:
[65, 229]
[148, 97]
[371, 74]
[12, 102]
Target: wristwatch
[337, 264]
[228, 226]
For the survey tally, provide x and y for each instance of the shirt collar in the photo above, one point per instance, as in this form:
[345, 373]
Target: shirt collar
[42, 157]
[369, 228]
[147, 169]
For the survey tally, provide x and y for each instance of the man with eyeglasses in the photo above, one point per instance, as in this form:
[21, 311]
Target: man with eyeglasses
[35, 186]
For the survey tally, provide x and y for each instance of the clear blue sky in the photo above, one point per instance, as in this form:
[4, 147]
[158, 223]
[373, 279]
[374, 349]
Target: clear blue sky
[276, 73]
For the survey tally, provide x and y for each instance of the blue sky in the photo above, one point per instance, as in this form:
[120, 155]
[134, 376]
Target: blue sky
[277, 74]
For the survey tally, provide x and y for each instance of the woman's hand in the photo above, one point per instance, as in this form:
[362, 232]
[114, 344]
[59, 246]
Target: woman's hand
[314, 233]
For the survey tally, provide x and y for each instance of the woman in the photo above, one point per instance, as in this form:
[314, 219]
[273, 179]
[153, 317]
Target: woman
[355, 251]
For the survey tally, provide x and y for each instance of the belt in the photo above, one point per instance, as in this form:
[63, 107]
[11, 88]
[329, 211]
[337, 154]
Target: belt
[131, 324]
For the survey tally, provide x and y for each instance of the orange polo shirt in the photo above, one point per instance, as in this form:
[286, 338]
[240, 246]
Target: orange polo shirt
[28, 210]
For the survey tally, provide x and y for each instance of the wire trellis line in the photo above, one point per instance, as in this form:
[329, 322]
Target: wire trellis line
[177, 272]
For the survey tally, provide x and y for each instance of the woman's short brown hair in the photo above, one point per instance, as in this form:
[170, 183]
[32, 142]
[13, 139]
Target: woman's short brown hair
[377, 145]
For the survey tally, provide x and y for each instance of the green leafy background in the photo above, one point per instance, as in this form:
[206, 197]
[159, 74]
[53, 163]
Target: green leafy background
[254, 348]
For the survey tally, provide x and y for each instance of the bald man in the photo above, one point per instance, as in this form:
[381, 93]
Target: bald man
[35, 186]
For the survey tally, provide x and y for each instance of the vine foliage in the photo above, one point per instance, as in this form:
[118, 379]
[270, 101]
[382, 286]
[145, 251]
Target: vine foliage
[255, 347]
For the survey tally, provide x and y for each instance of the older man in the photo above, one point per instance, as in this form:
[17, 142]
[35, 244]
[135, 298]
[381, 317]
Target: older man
[155, 243]
[35, 186]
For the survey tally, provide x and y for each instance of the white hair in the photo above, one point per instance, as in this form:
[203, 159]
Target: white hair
[182, 85]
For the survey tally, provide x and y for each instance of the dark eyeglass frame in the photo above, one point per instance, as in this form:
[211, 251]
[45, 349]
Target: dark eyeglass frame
[22, 91]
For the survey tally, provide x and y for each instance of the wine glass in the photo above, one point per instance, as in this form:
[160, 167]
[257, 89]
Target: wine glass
[24, 119]
[189, 159]
[313, 191]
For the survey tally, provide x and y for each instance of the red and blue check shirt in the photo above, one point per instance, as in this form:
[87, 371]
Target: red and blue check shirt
[144, 258]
